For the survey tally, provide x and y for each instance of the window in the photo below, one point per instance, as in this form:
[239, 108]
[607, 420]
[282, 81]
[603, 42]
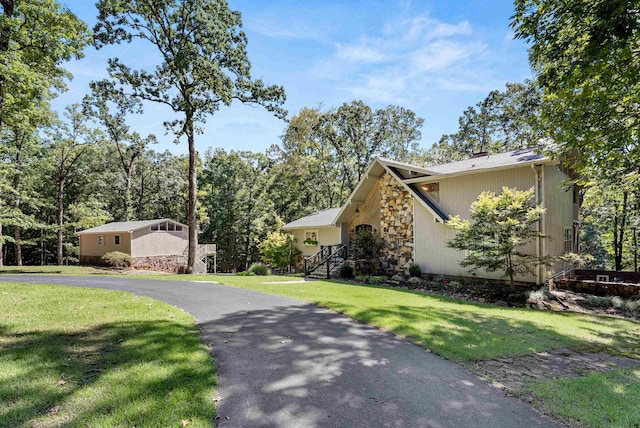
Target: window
[310, 238]
[568, 240]
[117, 239]
[154, 227]
[178, 228]
[432, 190]
[602, 278]
[163, 226]
[101, 240]
[364, 227]
[171, 227]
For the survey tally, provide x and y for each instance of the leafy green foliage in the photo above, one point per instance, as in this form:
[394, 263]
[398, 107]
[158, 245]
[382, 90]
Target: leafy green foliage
[346, 271]
[504, 120]
[278, 249]
[414, 270]
[500, 226]
[117, 259]
[259, 269]
[585, 54]
[367, 245]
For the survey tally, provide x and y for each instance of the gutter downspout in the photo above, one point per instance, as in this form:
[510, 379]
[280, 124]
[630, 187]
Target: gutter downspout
[537, 169]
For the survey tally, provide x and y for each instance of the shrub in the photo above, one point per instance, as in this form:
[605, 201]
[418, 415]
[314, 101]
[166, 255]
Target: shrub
[245, 273]
[362, 278]
[414, 280]
[346, 271]
[117, 259]
[617, 302]
[376, 280]
[260, 269]
[414, 270]
[633, 306]
[366, 246]
[397, 278]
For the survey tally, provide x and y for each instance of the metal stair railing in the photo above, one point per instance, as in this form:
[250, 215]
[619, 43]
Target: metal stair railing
[326, 257]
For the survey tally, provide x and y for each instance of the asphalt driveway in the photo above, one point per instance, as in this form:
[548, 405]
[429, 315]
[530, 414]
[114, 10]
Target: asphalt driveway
[285, 363]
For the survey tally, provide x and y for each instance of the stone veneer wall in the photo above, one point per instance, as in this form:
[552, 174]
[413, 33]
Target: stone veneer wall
[396, 226]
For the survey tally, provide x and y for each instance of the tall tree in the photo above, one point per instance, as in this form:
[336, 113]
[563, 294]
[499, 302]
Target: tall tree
[67, 142]
[36, 38]
[203, 65]
[586, 55]
[110, 109]
[504, 120]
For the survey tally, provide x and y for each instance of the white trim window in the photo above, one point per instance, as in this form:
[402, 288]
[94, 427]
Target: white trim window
[101, 240]
[117, 239]
[310, 238]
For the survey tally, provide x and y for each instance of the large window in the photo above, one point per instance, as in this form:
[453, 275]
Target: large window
[310, 238]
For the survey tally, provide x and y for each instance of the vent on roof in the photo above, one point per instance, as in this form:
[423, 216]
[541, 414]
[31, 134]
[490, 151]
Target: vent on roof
[479, 154]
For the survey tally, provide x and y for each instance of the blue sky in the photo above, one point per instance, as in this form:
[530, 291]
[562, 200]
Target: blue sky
[433, 57]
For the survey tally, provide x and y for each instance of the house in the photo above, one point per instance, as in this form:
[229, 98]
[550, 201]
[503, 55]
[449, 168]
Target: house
[159, 244]
[316, 229]
[409, 206]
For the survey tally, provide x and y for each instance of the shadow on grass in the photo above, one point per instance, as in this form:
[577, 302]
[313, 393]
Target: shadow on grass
[478, 334]
[148, 373]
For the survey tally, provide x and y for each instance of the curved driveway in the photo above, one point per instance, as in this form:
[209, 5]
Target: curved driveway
[285, 363]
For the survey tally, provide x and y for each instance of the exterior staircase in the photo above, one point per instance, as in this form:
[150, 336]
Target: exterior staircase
[325, 262]
[202, 251]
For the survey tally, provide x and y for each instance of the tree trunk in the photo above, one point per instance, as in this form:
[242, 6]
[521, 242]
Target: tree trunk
[1, 248]
[193, 193]
[60, 219]
[16, 202]
[619, 225]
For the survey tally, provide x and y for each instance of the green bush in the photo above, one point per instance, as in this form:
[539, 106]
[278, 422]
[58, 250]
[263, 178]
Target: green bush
[415, 271]
[346, 271]
[245, 273]
[260, 269]
[414, 280]
[376, 280]
[362, 278]
[117, 259]
[366, 246]
[397, 278]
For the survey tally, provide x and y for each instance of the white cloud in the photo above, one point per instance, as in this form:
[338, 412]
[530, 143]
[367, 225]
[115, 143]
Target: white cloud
[360, 53]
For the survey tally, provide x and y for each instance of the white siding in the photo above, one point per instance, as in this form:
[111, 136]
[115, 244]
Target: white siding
[456, 196]
[326, 236]
[146, 243]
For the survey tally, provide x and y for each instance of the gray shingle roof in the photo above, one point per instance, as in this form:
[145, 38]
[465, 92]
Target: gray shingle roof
[319, 219]
[126, 226]
[490, 161]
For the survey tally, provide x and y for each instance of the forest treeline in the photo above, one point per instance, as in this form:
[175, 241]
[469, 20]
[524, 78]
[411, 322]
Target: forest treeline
[89, 168]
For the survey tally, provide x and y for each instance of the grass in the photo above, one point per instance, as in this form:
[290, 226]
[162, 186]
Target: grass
[85, 357]
[454, 329]
[62, 270]
[598, 400]
[463, 332]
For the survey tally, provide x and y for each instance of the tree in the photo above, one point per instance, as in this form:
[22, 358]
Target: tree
[500, 226]
[337, 146]
[203, 65]
[36, 38]
[504, 120]
[586, 55]
[130, 146]
[66, 144]
[278, 249]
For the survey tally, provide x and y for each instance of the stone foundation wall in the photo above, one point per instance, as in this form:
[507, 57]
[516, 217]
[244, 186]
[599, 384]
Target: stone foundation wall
[158, 263]
[396, 226]
[621, 289]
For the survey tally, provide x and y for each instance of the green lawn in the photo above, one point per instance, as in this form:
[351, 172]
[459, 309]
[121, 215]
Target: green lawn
[85, 357]
[464, 332]
[62, 270]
